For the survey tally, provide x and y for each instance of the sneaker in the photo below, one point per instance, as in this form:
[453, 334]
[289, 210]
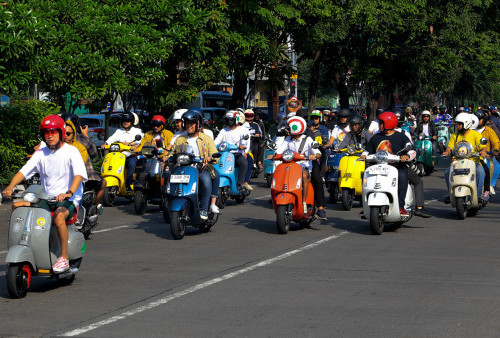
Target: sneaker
[321, 214]
[485, 196]
[61, 265]
[100, 209]
[447, 200]
[247, 186]
[214, 209]
[492, 190]
[421, 212]
[203, 215]
[403, 212]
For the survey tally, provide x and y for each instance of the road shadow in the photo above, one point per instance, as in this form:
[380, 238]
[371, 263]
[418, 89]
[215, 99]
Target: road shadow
[38, 285]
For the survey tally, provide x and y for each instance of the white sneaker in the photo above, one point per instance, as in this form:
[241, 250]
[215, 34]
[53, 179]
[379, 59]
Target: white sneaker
[214, 209]
[492, 190]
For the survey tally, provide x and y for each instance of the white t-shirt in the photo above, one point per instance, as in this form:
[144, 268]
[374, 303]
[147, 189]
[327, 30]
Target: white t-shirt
[294, 145]
[425, 129]
[208, 132]
[57, 170]
[125, 136]
[338, 133]
[373, 128]
[233, 137]
[194, 144]
[177, 134]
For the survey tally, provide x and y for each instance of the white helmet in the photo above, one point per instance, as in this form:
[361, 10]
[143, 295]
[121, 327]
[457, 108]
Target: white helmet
[464, 118]
[240, 118]
[297, 125]
[177, 115]
[136, 119]
[426, 112]
[475, 121]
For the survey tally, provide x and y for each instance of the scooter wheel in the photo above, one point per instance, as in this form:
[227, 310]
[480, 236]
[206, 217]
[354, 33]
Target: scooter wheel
[282, 219]
[18, 279]
[461, 209]
[269, 181]
[177, 227]
[109, 196]
[376, 221]
[347, 197]
[140, 202]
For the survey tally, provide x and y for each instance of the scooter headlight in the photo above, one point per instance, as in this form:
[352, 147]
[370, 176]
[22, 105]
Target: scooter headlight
[351, 149]
[114, 147]
[183, 159]
[223, 146]
[381, 156]
[30, 197]
[288, 155]
[462, 150]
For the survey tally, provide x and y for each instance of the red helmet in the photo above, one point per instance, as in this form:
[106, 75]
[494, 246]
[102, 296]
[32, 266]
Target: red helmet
[53, 122]
[159, 118]
[390, 120]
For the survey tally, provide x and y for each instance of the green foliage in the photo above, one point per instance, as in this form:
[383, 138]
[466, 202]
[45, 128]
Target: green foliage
[19, 132]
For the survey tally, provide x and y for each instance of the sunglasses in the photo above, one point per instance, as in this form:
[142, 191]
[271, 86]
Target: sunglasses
[157, 124]
[69, 133]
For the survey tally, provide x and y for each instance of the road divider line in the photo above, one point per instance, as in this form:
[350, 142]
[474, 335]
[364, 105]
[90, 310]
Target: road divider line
[197, 287]
[3, 252]
[109, 229]
[258, 198]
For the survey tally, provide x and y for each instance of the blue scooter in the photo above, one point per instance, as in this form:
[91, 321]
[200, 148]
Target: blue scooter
[332, 174]
[229, 176]
[181, 192]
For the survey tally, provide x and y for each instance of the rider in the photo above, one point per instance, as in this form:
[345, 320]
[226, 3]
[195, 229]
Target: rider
[246, 131]
[410, 118]
[126, 135]
[357, 135]
[395, 143]
[443, 116]
[373, 128]
[157, 133]
[316, 118]
[493, 145]
[300, 143]
[255, 132]
[204, 147]
[62, 172]
[341, 129]
[428, 128]
[463, 124]
[260, 153]
[232, 134]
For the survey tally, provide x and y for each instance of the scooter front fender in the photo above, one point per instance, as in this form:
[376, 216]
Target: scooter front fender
[462, 191]
[378, 199]
[224, 182]
[112, 181]
[19, 254]
[284, 198]
[177, 204]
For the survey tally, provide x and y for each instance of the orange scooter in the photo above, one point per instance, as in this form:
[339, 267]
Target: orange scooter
[286, 192]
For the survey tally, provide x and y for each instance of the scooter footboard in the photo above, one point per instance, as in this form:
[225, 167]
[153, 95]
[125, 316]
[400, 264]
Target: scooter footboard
[20, 253]
[378, 199]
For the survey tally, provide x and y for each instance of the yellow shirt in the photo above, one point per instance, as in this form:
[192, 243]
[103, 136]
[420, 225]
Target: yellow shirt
[491, 136]
[471, 136]
[166, 135]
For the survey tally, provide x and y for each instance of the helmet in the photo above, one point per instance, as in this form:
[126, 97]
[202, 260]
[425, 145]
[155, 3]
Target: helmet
[74, 119]
[467, 109]
[53, 122]
[380, 111]
[249, 113]
[128, 117]
[344, 113]
[158, 120]
[389, 119]
[291, 114]
[464, 118]
[480, 114]
[315, 113]
[475, 121]
[442, 107]
[356, 119]
[326, 112]
[177, 115]
[240, 118]
[191, 116]
[409, 110]
[461, 109]
[240, 110]
[297, 125]
[230, 118]
[426, 112]
[136, 119]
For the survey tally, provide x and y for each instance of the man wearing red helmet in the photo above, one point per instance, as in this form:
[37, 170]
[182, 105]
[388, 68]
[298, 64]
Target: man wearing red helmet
[62, 171]
[394, 143]
[157, 133]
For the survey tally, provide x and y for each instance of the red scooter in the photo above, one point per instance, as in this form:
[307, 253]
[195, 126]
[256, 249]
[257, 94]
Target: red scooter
[286, 192]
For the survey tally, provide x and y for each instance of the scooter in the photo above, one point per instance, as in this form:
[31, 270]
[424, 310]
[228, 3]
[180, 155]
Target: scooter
[443, 135]
[113, 170]
[269, 164]
[286, 193]
[181, 197]
[88, 212]
[462, 179]
[148, 178]
[351, 170]
[229, 176]
[332, 173]
[34, 245]
[425, 160]
[380, 193]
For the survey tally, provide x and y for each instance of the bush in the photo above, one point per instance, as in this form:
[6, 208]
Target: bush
[19, 133]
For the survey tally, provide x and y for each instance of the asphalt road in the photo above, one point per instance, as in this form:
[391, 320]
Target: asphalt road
[433, 277]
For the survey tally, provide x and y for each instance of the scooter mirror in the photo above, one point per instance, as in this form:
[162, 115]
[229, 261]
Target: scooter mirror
[315, 145]
[359, 146]
[216, 155]
[138, 137]
[408, 146]
[483, 141]
[245, 137]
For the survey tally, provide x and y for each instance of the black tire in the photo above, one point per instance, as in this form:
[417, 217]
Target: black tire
[461, 209]
[347, 198]
[269, 181]
[376, 221]
[240, 199]
[221, 201]
[420, 169]
[140, 202]
[109, 196]
[177, 227]
[86, 233]
[282, 219]
[164, 209]
[18, 279]
[334, 191]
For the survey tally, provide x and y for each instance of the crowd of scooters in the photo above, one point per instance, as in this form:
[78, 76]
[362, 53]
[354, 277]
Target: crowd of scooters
[191, 174]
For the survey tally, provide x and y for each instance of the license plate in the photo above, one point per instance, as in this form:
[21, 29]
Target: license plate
[379, 170]
[179, 178]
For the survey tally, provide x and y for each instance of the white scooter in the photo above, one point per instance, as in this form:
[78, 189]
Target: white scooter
[462, 178]
[380, 193]
[34, 245]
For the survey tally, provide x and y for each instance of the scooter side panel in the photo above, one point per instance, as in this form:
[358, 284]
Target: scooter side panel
[20, 253]
[76, 243]
[224, 182]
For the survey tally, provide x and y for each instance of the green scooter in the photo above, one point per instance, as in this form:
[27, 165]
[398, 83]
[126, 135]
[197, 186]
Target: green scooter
[425, 160]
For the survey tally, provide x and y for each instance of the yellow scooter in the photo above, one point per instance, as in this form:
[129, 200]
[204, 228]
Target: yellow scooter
[113, 170]
[351, 170]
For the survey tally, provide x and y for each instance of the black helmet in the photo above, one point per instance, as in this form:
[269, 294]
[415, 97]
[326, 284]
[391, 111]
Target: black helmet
[380, 111]
[191, 116]
[74, 119]
[356, 119]
[128, 117]
[481, 114]
[399, 113]
[344, 113]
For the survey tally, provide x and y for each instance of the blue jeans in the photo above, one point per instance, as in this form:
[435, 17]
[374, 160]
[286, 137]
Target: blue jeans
[130, 163]
[479, 179]
[242, 164]
[208, 188]
[496, 172]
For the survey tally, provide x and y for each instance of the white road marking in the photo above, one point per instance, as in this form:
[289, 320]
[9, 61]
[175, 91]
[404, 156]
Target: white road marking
[109, 229]
[5, 251]
[431, 201]
[198, 287]
[258, 198]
